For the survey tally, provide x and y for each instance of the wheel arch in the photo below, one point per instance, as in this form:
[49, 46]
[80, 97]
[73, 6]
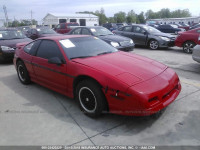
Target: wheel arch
[80, 78]
[188, 41]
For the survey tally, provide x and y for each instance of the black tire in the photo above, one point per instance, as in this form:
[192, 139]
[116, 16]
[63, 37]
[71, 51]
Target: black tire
[91, 99]
[187, 47]
[23, 73]
[153, 44]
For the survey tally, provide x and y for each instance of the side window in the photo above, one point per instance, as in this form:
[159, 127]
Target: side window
[28, 47]
[62, 26]
[139, 30]
[33, 31]
[127, 29]
[86, 32]
[48, 49]
[198, 31]
[58, 27]
[77, 31]
[32, 47]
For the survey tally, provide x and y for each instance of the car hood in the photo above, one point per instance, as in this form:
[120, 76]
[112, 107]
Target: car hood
[163, 34]
[12, 43]
[115, 38]
[127, 67]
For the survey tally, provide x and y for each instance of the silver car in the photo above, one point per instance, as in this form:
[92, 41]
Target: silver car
[196, 52]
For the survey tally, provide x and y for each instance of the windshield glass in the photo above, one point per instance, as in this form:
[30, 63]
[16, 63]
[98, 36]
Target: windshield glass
[85, 47]
[151, 29]
[100, 31]
[174, 26]
[11, 34]
[46, 31]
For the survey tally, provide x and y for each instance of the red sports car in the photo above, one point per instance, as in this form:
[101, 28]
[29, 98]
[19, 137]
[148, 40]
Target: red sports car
[99, 76]
[187, 39]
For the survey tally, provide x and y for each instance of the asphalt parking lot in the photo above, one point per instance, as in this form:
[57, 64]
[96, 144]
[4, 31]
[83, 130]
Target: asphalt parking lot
[34, 115]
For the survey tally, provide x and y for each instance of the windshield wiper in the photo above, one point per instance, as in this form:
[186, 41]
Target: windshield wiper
[80, 57]
[105, 53]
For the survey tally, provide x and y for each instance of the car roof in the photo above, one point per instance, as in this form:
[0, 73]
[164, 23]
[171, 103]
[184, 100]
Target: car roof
[61, 37]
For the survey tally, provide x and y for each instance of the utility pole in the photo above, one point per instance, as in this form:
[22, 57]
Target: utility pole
[6, 15]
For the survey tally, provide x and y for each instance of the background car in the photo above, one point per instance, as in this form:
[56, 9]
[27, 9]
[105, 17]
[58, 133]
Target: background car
[63, 28]
[119, 42]
[24, 29]
[8, 40]
[182, 26]
[35, 33]
[195, 26]
[110, 26]
[169, 28]
[98, 75]
[196, 52]
[147, 36]
[187, 39]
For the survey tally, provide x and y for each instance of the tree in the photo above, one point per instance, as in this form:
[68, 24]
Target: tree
[120, 17]
[141, 17]
[131, 17]
[101, 15]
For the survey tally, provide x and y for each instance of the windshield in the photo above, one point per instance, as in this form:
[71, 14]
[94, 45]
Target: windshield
[46, 31]
[151, 29]
[85, 47]
[11, 34]
[174, 26]
[100, 31]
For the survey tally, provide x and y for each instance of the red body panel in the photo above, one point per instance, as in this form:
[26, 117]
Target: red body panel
[191, 35]
[137, 79]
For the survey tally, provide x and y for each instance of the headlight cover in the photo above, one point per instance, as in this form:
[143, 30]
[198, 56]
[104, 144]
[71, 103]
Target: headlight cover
[6, 48]
[131, 41]
[114, 44]
[164, 38]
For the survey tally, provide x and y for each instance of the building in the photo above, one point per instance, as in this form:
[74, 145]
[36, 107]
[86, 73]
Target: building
[187, 20]
[52, 19]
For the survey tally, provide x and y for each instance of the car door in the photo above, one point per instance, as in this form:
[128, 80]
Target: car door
[140, 35]
[50, 75]
[127, 32]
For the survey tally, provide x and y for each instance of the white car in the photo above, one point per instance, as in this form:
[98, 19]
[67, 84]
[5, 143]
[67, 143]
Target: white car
[196, 52]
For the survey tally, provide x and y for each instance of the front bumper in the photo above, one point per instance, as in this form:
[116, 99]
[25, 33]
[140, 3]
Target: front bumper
[148, 97]
[166, 43]
[125, 47]
[6, 55]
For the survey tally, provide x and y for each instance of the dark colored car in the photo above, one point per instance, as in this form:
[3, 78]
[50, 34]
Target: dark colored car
[146, 35]
[195, 26]
[98, 76]
[63, 28]
[182, 26]
[119, 42]
[8, 40]
[187, 39]
[169, 28]
[110, 26]
[24, 29]
[35, 33]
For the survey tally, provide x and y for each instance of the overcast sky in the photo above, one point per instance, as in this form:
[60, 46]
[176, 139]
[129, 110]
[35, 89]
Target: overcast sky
[21, 9]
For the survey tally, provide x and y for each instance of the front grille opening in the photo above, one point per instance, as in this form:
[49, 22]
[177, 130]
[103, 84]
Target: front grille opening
[153, 99]
[167, 94]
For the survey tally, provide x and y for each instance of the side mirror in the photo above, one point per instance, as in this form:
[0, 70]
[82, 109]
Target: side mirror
[55, 60]
[145, 32]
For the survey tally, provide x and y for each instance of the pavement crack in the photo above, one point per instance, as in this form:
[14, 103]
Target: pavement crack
[73, 118]
[186, 96]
